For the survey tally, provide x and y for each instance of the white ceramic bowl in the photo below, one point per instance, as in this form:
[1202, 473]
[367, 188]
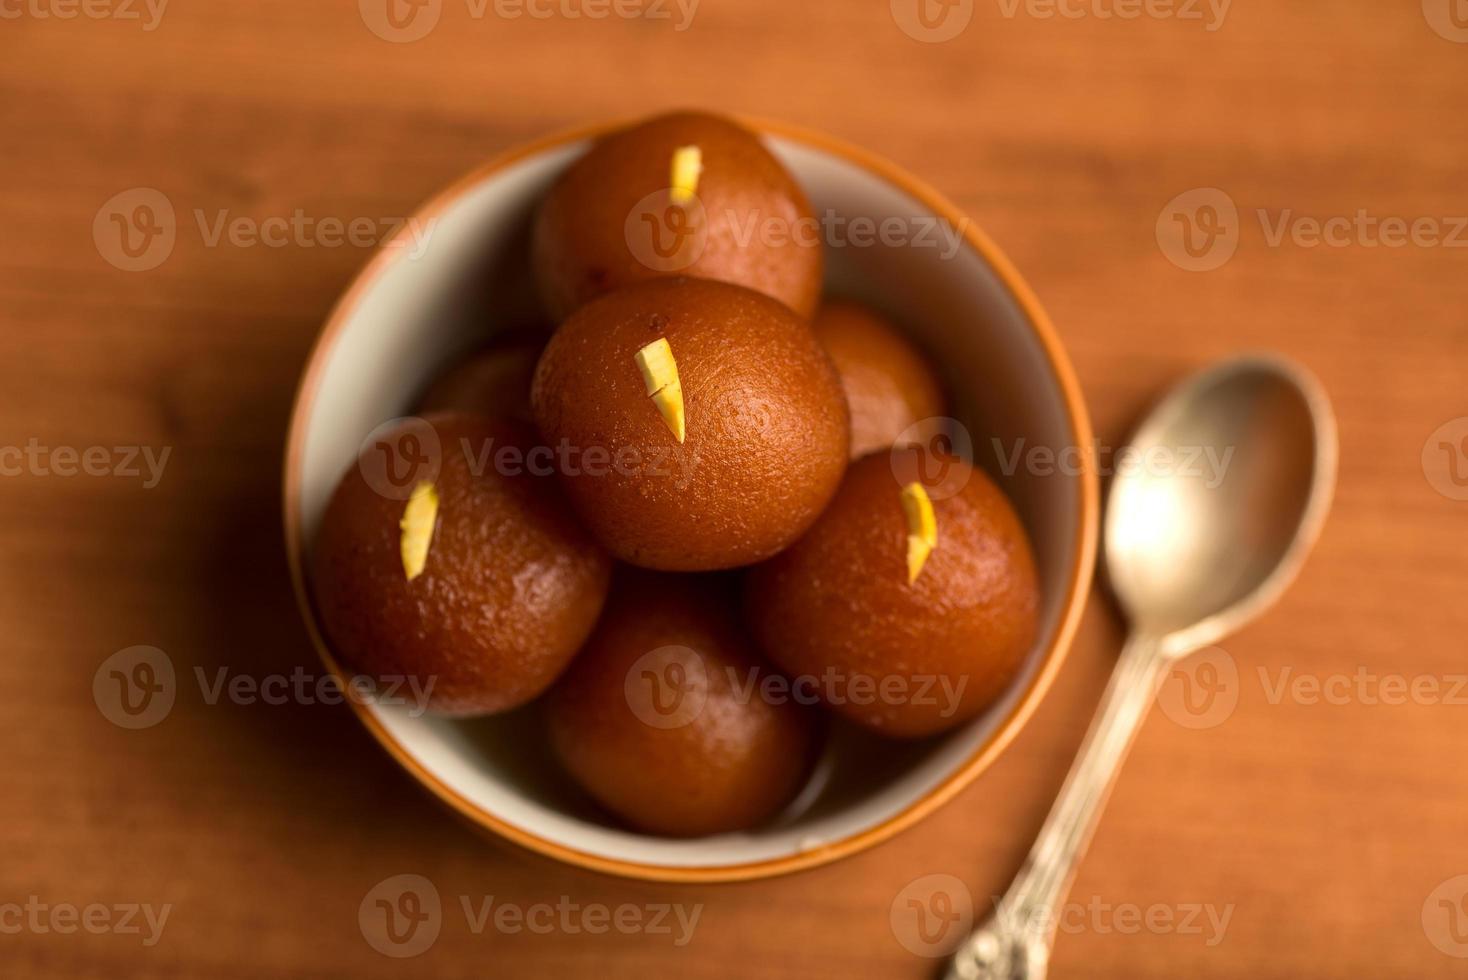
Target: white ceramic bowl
[414, 310]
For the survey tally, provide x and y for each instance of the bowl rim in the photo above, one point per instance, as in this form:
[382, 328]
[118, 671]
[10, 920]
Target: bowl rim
[1078, 577]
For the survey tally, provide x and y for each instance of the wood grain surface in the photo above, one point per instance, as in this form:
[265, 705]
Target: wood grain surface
[1326, 826]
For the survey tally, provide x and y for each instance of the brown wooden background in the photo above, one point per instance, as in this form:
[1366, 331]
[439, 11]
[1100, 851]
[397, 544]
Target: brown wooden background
[1326, 826]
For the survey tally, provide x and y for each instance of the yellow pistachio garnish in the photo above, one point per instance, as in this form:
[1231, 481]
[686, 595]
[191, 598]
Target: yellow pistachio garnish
[660, 375]
[922, 528]
[687, 166]
[419, 519]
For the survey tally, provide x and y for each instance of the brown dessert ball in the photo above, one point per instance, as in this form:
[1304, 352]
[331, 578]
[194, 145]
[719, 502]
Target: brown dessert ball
[494, 382]
[510, 584]
[615, 217]
[905, 658]
[665, 718]
[889, 384]
[766, 429]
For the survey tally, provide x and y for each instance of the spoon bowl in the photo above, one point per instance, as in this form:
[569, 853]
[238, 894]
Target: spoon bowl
[1225, 489]
[1214, 507]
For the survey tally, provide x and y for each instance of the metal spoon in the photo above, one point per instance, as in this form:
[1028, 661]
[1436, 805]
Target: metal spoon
[1196, 546]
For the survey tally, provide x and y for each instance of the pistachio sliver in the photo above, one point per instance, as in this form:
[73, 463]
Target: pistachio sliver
[660, 377]
[687, 167]
[420, 517]
[922, 528]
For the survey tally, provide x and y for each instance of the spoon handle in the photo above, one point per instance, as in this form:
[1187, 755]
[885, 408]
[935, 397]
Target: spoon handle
[1016, 941]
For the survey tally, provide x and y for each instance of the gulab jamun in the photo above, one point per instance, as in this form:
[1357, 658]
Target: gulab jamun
[493, 382]
[444, 558]
[889, 384]
[685, 193]
[666, 719]
[698, 425]
[914, 597]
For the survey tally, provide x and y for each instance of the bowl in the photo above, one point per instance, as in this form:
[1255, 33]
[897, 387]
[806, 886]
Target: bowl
[424, 301]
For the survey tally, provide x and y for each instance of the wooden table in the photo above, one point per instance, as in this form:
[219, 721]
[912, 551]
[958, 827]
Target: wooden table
[1324, 826]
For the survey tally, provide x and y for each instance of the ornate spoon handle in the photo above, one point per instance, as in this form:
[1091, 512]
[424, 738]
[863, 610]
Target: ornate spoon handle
[1015, 941]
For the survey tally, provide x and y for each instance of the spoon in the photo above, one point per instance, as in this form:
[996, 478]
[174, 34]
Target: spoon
[1197, 545]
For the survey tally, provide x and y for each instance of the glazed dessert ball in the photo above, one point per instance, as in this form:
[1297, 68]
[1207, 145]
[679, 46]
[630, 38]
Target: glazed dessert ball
[663, 718]
[494, 382]
[481, 583]
[686, 193]
[889, 384]
[914, 595]
[698, 425]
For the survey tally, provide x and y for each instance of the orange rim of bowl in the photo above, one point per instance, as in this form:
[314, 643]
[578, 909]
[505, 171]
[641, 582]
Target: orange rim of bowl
[1078, 577]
